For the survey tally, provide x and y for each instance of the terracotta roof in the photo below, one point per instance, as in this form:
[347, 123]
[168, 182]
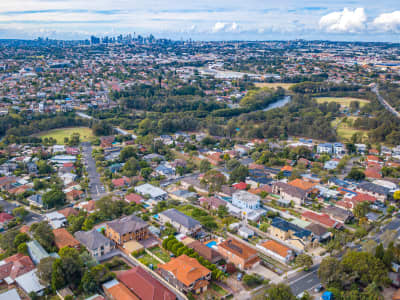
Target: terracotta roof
[238, 248]
[287, 168]
[240, 186]
[360, 197]
[302, 184]
[322, 219]
[143, 285]
[69, 211]
[15, 266]
[186, 269]
[5, 217]
[279, 249]
[133, 198]
[62, 238]
[118, 291]
[373, 172]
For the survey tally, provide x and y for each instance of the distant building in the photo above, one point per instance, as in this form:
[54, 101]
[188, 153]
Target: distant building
[241, 255]
[95, 242]
[154, 192]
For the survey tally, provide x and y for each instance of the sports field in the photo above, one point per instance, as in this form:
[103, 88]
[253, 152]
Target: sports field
[60, 133]
[343, 101]
[344, 131]
[285, 86]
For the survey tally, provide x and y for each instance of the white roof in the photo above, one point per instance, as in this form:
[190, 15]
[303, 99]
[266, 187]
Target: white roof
[29, 282]
[148, 189]
[10, 295]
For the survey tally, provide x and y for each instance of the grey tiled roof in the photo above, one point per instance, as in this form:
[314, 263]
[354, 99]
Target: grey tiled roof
[92, 239]
[127, 224]
[180, 218]
[371, 187]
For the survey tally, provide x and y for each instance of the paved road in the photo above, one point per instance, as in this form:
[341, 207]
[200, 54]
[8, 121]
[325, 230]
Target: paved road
[304, 281]
[96, 187]
[384, 102]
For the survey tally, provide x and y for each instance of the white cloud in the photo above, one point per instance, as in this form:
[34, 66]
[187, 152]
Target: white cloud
[344, 21]
[388, 21]
[225, 27]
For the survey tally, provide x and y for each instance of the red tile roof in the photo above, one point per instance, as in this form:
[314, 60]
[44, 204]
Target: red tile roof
[143, 285]
[133, 198]
[5, 217]
[240, 186]
[277, 248]
[186, 269]
[322, 219]
[15, 266]
[62, 238]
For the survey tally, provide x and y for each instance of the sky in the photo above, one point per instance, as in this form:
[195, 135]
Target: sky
[345, 20]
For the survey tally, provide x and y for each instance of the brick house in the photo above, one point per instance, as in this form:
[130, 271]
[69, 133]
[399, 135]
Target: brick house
[126, 229]
[186, 274]
[241, 255]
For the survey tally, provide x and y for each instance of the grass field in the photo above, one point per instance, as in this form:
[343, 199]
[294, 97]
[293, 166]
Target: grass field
[344, 131]
[285, 86]
[59, 134]
[343, 101]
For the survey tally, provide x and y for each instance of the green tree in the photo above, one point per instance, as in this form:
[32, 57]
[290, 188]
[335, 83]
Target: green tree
[45, 270]
[379, 251]
[356, 174]
[361, 209]
[131, 167]
[20, 212]
[43, 233]
[127, 153]
[304, 260]
[54, 198]
[239, 174]
[280, 292]
[205, 166]
[23, 248]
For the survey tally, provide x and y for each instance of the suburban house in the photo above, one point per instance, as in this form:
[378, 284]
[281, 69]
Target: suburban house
[186, 274]
[75, 195]
[379, 192]
[154, 192]
[95, 242]
[212, 202]
[290, 233]
[62, 238]
[36, 251]
[319, 232]
[241, 255]
[289, 192]
[180, 221]
[56, 220]
[4, 219]
[115, 290]
[246, 200]
[15, 266]
[29, 282]
[206, 252]
[277, 251]
[143, 285]
[35, 200]
[126, 229]
[321, 219]
[132, 197]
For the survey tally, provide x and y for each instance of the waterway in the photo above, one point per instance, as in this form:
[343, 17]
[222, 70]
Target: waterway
[280, 103]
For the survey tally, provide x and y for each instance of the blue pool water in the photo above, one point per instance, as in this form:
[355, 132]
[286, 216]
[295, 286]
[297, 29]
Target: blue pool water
[155, 216]
[210, 244]
[100, 228]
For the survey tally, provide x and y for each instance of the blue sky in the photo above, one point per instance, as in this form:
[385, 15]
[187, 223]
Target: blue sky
[361, 20]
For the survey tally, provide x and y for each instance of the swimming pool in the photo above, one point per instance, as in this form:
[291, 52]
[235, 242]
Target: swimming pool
[211, 244]
[100, 228]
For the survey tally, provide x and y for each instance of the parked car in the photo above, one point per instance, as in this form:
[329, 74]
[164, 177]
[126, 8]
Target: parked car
[239, 276]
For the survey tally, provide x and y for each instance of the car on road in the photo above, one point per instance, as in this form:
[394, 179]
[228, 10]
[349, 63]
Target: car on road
[318, 288]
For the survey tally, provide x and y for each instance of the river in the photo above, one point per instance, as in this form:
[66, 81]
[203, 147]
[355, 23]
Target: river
[280, 103]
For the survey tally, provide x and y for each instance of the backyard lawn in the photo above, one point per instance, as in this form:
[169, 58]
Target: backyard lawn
[146, 259]
[343, 101]
[219, 290]
[161, 253]
[60, 133]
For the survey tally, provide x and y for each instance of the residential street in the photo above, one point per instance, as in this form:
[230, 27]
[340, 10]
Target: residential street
[96, 187]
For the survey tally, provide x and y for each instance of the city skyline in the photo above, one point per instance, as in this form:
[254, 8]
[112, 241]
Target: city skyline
[343, 20]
